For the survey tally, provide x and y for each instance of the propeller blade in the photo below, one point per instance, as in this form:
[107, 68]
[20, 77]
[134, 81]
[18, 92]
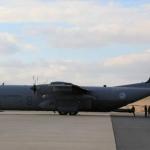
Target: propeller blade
[34, 88]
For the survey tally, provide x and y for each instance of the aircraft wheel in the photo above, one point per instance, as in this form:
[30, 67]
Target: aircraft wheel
[63, 113]
[73, 113]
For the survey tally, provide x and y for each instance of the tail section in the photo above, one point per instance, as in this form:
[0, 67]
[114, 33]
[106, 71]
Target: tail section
[148, 81]
[139, 85]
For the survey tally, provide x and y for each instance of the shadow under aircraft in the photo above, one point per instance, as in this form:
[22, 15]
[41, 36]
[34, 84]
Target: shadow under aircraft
[67, 98]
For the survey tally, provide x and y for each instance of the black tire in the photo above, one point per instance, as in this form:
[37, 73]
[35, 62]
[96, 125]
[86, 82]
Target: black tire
[73, 113]
[62, 113]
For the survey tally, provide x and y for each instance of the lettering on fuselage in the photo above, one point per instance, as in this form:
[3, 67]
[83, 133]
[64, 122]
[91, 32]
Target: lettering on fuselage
[122, 95]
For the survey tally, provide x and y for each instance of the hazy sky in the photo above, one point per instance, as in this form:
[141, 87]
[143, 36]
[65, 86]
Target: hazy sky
[87, 42]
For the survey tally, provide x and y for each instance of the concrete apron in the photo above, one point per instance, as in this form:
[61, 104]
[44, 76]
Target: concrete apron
[41, 131]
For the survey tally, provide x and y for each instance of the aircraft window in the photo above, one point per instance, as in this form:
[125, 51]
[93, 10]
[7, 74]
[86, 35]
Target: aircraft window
[44, 96]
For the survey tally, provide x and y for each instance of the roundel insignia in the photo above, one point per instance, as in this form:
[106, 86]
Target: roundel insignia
[122, 95]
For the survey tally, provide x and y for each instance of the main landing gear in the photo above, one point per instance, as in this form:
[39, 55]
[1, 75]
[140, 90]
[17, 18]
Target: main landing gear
[66, 113]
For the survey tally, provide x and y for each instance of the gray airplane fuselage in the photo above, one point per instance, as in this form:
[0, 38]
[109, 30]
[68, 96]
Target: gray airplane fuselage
[13, 97]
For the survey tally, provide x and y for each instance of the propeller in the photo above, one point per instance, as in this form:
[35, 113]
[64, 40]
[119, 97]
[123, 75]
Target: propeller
[34, 87]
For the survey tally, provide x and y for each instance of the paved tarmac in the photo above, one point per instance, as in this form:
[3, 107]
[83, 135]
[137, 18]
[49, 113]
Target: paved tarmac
[131, 133]
[35, 130]
[44, 131]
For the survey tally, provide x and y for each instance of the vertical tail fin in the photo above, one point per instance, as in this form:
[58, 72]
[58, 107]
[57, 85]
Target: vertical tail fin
[148, 81]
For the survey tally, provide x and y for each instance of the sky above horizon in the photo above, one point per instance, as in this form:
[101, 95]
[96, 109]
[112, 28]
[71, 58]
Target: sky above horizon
[86, 42]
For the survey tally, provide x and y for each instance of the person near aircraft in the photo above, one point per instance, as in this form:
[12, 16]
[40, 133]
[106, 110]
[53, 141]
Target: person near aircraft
[133, 110]
[148, 110]
[145, 110]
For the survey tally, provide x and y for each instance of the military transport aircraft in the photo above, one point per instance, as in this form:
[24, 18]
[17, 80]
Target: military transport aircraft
[67, 98]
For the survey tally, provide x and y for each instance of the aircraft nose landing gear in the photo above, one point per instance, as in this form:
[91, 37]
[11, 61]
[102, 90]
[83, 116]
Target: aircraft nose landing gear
[62, 113]
[70, 113]
[73, 113]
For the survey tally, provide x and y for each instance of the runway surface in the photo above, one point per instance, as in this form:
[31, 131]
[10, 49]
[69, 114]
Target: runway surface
[131, 133]
[41, 130]
[30, 130]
